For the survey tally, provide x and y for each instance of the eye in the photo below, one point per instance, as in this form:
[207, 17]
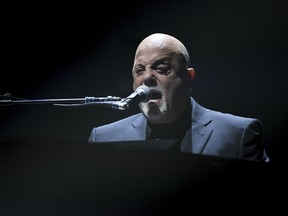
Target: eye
[163, 69]
[139, 71]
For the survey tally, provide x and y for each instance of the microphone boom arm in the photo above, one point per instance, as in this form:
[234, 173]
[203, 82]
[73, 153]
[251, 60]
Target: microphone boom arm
[68, 101]
[141, 94]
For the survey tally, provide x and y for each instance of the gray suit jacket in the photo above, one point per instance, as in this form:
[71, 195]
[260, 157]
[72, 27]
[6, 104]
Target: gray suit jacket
[213, 133]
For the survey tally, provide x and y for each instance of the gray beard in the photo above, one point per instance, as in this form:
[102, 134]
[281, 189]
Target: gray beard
[153, 111]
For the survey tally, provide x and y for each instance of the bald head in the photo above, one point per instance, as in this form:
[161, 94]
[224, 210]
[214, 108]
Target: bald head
[165, 41]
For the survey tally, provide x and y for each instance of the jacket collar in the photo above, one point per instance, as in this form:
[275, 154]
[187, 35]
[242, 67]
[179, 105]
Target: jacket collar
[199, 135]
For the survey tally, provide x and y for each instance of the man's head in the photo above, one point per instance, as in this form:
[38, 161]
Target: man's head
[162, 63]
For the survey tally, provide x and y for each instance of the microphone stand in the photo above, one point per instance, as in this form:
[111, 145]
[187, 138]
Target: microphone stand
[64, 102]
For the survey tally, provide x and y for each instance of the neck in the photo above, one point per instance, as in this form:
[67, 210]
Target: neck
[173, 130]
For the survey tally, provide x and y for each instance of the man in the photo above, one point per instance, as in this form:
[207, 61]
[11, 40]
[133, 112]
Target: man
[162, 63]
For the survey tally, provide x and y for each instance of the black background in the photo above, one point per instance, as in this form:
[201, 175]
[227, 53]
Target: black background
[238, 49]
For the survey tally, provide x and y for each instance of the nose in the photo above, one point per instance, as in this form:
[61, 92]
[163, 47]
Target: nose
[149, 78]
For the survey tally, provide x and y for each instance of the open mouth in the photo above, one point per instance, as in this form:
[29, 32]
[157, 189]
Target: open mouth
[155, 95]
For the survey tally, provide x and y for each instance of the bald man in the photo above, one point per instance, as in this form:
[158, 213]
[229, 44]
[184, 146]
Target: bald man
[162, 63]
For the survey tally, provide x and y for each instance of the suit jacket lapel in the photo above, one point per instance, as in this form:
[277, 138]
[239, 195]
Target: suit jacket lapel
[200, 139]
[136, 130]
[200, 132]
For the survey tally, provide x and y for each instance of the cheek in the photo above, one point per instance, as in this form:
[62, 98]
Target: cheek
[174, 88]
[137, 82]
[173, 84]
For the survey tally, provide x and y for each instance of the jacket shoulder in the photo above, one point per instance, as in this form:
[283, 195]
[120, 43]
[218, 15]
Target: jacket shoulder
[104, 132]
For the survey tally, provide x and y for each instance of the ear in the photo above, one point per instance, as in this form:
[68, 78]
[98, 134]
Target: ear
[191, 73]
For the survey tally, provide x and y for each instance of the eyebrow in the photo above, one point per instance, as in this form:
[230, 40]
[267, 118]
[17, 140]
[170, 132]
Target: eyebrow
[165, 59]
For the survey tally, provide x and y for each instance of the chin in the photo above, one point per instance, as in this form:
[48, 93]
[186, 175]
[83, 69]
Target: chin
[154, 111]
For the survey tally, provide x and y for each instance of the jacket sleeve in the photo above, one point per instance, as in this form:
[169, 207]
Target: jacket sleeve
[251, 142]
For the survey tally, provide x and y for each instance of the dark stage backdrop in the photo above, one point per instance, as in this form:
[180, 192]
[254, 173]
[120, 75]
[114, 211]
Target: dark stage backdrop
[238, 49]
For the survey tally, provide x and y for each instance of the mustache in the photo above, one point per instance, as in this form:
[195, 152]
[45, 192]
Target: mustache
[155, 93]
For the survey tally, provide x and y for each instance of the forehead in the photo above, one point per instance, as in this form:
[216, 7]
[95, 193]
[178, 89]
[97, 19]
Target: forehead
[156, 43]
[153, 52]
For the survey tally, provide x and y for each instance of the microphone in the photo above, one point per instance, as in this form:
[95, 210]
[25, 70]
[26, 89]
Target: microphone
[141, 94]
